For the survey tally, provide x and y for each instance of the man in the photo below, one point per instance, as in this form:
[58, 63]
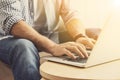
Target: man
[26, 27]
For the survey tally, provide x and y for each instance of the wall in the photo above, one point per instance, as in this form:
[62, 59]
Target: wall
[93, 13]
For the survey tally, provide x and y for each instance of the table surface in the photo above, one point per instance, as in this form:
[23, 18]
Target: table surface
[57, 71]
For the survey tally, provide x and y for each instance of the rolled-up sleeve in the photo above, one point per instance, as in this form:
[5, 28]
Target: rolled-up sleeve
[71, 19]
[67, 13]
[10, 13]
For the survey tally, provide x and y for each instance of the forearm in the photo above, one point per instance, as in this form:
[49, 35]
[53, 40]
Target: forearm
[71, 19]
[75, 28]
[23, 30]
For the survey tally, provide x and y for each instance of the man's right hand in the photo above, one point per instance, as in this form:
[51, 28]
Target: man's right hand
[41, 41]
[68, 49]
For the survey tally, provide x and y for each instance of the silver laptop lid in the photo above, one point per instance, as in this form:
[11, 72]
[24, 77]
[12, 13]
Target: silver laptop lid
[107, 47]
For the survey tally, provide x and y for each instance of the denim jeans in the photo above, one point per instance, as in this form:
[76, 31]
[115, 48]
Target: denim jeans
[22, 56]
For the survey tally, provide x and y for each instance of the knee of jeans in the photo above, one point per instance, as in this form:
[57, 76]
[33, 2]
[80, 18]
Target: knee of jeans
[25, 56]
[23, 43]
[24, 49]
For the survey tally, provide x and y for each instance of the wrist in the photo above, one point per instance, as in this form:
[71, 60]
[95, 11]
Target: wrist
[44, 43]
[79, 36]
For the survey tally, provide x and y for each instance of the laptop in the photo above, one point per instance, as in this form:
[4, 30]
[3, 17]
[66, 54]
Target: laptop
[106, 49]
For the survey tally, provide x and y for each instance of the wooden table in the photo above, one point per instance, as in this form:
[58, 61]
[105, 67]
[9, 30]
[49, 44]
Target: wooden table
[56, 71]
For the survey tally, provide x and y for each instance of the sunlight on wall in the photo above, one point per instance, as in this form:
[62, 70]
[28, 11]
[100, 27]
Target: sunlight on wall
[116, 4]
[94, 13]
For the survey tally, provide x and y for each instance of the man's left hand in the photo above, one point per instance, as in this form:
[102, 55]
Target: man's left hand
[87, 42]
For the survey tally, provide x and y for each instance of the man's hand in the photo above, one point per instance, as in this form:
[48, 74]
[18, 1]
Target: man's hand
[41, 42]
[87, 42]
[68, 49]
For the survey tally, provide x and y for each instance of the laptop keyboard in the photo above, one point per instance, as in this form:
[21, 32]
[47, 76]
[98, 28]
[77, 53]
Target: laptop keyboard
[78, 59]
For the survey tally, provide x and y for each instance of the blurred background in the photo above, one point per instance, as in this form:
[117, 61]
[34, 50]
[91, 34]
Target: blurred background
[94, 13]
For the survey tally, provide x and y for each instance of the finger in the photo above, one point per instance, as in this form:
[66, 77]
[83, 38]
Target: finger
[78, 48]
[89, 44]
[75, 49]
[93, 41]
[76, 44]
[68, 53]
[82, 49]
